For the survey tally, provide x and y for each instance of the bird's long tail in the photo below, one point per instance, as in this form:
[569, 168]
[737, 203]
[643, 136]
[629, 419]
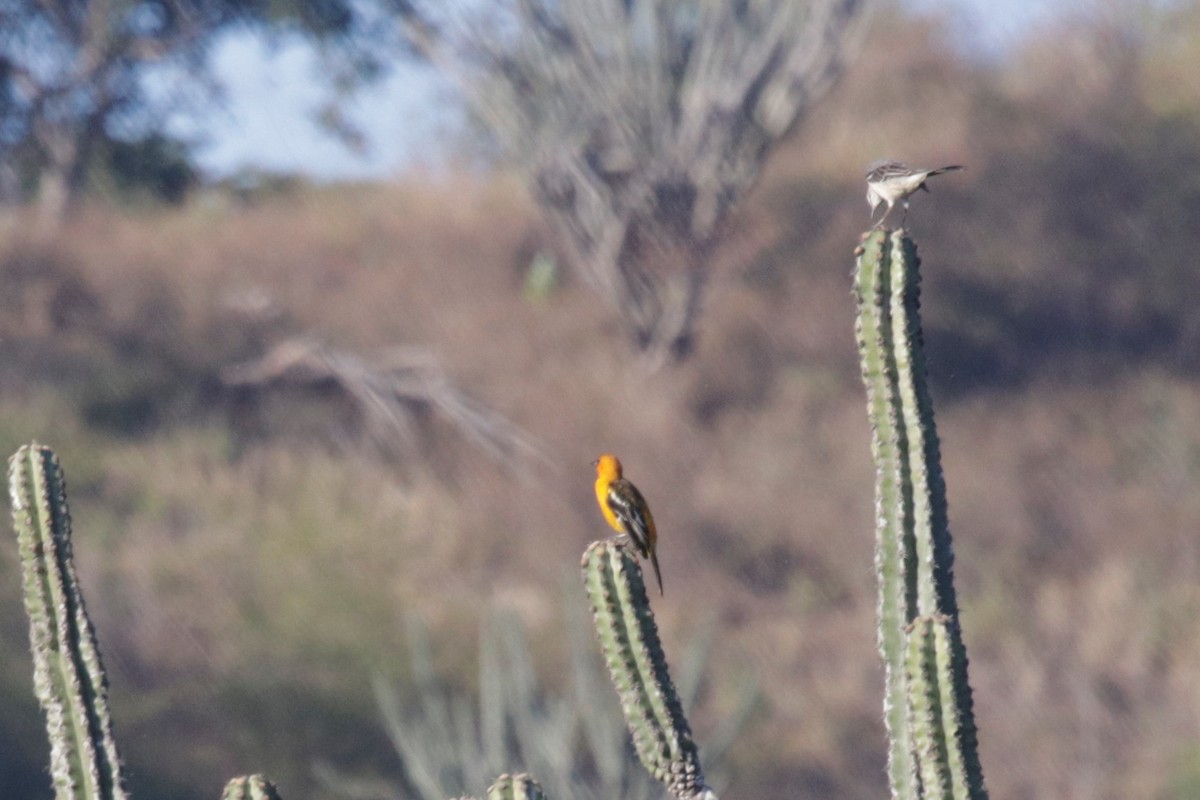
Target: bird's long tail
[940, 170]
[657, 574]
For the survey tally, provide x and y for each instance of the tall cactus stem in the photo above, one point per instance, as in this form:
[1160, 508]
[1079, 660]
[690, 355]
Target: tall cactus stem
[68, 676]
[913, 554]
[638, 667]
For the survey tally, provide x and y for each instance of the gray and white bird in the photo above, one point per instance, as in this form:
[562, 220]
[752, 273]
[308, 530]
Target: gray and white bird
[889, 181]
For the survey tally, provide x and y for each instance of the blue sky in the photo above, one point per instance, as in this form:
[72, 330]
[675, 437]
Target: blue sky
[272, 93]
[267, 119]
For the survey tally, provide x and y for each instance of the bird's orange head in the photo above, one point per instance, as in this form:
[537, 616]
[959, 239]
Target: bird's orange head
[607, 467]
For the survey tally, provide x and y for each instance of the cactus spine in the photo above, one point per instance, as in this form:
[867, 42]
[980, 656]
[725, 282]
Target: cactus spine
[629, 641]
[927, 704]
[250, 787]
[68, 676]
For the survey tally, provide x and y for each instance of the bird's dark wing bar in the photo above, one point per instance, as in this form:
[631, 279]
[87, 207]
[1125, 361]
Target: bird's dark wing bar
[882, 170]
[626, 502]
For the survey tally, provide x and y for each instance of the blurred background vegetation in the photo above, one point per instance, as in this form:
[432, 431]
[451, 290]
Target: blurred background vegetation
[252, 556]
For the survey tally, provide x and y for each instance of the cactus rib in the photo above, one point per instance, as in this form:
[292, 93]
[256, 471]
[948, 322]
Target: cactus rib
[894, 552]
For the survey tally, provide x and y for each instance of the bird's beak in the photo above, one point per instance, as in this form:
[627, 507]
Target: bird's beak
[596, 463]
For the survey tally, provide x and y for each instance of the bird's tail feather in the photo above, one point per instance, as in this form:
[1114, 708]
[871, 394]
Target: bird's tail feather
[950, 168]
[657, 573]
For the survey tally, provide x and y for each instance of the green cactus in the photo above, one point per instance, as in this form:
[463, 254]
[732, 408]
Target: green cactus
[933, 715]
[68, 676]
[629, 641]
[914, 557]
[521, 786]
[250, 787]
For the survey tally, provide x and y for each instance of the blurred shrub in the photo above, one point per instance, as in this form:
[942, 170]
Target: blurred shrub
[151, 170]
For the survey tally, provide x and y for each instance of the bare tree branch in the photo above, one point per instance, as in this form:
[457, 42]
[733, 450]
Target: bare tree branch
[640, 123]
[391, 394]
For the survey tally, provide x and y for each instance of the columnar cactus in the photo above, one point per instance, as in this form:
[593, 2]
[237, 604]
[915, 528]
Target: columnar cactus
[68, 677]
[634, 655]
[927, 706]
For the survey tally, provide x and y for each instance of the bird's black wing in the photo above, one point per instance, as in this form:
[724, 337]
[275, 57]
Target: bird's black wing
[630, 509]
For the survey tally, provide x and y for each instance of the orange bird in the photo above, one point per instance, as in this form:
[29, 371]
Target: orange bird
[625, 510]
